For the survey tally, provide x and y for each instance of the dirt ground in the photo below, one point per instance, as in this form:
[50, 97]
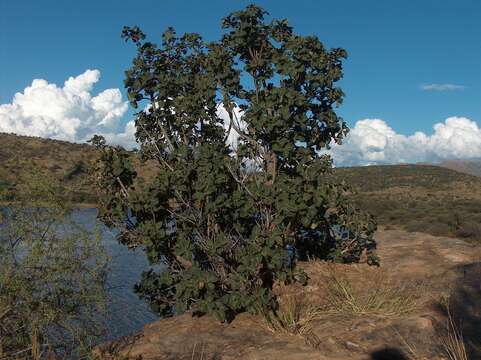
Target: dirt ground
[396, 311]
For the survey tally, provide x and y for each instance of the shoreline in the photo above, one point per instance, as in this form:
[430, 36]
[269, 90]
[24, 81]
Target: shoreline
[73, 205]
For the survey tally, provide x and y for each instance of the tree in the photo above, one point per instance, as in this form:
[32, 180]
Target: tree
[52, 277]
[223, 218]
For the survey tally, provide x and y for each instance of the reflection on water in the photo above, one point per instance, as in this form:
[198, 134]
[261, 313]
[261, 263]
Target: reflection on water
[126, 312]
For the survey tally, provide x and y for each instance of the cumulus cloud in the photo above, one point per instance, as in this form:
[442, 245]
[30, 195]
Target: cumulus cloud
[70, 112]
[373, 141]
[442, 87]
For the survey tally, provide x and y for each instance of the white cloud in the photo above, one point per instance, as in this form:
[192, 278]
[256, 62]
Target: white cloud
[69, 113]
[233, 136]
[73, 113]
[373, 141]
[126, 137]
[442, 87]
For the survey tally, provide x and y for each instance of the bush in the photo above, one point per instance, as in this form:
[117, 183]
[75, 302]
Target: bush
[52, 277]
[221, 216]
[76, 169]
[470, 230]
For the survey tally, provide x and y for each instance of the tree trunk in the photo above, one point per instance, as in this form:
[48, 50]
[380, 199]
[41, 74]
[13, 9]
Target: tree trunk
[271, 168]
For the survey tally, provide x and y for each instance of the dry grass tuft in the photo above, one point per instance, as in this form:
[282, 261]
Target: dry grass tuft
[196, 354]
[294, 316]
[409, 347]
[452, 341]
[373, 294]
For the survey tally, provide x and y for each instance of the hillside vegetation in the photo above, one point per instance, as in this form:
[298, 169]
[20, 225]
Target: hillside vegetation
[422, 198]
[22, 157]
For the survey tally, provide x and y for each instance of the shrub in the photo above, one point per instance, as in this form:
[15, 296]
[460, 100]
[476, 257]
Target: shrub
[437, 228]
[469, 230]
[415, 226]
[218, 216]
[52, 277]
[76, 169]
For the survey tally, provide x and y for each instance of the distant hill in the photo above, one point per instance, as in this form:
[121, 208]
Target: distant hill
[23, 156]
[472, 167]
[423, 198]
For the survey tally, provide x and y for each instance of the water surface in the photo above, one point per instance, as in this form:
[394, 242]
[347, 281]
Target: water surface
[126, 312]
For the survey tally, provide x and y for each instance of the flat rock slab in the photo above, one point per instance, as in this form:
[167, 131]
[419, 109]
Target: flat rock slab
[414, 252]
[187, 337]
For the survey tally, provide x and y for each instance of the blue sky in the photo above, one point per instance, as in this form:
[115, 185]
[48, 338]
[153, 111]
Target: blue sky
[394, 47]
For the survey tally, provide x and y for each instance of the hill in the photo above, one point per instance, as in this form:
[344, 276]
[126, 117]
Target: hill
[472, 167]
[22, 157]
[423, 198]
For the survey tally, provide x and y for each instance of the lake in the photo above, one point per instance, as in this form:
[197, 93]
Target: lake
[126, 312]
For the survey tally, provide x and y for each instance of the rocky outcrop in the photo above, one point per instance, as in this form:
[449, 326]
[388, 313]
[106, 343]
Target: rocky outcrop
[186, 337]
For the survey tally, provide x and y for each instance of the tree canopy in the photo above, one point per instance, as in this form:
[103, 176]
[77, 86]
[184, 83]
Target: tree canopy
[222, 219]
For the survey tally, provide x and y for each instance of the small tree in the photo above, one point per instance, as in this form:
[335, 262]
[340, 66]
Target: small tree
[52, 277]
[219, 216]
